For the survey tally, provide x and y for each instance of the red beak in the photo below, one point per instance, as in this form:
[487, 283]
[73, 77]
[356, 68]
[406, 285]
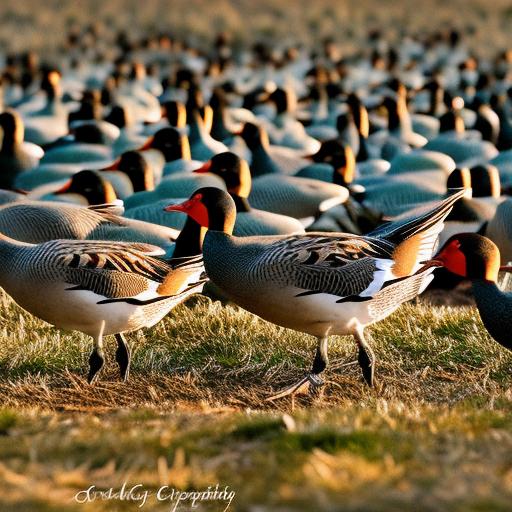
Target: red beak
[204, 168]
[181, 207]
[64, 188]
[148, 144]
[113, 167]
[430, 263]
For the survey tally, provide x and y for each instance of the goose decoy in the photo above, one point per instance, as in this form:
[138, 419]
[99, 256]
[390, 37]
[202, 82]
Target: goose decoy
[475, 257]
[249, 221]
[168, 152]
[97, 287]
[202, 145]
[40, 221]
[86, 145]
[321, 284]
[129, 174]
[267, 159]
[85, 187]
[16, 156]
[285, 130]
[48, 123]
[301, 198]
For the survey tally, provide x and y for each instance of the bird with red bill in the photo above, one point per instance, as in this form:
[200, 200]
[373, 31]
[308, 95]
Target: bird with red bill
[477, 258]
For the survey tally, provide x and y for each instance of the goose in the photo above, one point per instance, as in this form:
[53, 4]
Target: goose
[86, 187]
[249, 221]
[301, 198]
[16, 156]
[475, 257]
[320, 284]
[224, 128]
[97, 287]
[168, 152]
[267, 159]
[40, 221]
[129, 174]
[46, 124]
[333, 163]
[87, 146]
[202, 145]
[399, 135]
[285, 130]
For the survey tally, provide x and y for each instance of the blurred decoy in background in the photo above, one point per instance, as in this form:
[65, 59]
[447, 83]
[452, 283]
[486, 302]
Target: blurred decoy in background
[249, 221]
[16, 156]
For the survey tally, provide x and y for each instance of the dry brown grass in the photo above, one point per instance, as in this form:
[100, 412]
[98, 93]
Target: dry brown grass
[435, 433]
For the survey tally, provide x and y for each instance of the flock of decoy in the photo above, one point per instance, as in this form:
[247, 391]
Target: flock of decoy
[316, 186]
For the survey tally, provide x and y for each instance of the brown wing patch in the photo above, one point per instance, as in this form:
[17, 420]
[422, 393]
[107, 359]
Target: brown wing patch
[405, 256]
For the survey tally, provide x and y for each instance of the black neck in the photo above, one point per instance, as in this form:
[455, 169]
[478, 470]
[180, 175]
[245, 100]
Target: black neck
[362, 154]
[188, 242]
[241, 203]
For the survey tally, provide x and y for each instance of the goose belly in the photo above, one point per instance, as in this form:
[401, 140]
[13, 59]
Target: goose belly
[318, 314]
[79, 309]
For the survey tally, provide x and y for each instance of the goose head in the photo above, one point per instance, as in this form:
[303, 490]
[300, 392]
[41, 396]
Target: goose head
[51, 84]
[282, 99]
[460, 178]
[472, 256]
[236, 175]
[136, 167]
[176, 113]
[359, 114]
[210, 207]
[120, 116]
[13, 130]
[173, 144]
[485, 181]
[91, 185]
[341, 157]
[254, 136]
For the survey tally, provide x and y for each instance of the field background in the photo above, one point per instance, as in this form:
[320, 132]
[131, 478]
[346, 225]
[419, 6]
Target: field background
[434, 435]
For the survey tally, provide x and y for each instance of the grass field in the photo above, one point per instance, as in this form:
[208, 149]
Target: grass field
[435, 434]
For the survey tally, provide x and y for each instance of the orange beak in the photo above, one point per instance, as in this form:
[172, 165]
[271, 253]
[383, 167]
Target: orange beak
[204, 168]
[181, 207]
[148, 144]
[113, 167]
[434, 262]
[64, 188]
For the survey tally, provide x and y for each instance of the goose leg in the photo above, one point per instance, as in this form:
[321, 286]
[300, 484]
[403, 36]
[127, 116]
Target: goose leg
[366, 357]
[97, 358]
[123, 356]
[312, 381]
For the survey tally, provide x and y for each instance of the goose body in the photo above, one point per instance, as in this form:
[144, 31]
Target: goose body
[98, 288]
[37, 222]
[295, 197]
[320, 284]
[475, 257]
[16, 155]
